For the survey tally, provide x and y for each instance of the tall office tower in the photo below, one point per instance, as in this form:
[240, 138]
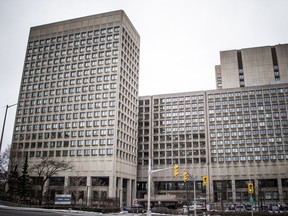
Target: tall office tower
[78, 102]
[252, 66]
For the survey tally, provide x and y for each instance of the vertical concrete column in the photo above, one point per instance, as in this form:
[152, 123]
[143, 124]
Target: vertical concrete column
[112, 186]
[66, 183]
[210, 191]
[233, 189]
[256, 190]
[88, 191]
[280, 190]
[120, 190]
[134, 189]
[129, 192]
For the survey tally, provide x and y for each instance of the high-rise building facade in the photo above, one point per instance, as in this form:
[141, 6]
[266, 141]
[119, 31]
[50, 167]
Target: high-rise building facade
[78, 102]
[252, 66]
[231, 135]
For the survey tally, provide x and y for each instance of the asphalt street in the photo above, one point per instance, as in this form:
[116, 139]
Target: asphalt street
[19, 211]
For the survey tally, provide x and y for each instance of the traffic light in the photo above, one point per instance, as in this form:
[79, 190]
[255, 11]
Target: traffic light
[185, 176]
[205, 180]
[250, 188]
[176, 170]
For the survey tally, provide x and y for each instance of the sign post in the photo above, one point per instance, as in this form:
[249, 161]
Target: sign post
[251, 201]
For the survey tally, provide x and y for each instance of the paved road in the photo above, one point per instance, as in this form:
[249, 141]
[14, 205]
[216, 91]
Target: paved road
[18, 211]
[15, 211]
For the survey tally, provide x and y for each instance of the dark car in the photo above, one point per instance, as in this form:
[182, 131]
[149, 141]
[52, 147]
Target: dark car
[136, 209]
[160, 210]
[274, 208]
[248, 207]
[240, 208]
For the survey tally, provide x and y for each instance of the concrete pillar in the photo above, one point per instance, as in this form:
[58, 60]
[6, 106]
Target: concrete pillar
[88, 191]
[112, 186]
[280, 190]
[120, 190]
[233, 187]
[129, 192]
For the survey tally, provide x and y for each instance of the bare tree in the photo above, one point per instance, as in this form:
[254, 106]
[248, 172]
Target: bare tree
[48, 168]
[76, 187]
[4, 161]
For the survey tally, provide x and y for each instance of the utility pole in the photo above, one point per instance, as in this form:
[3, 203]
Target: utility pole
[4, 122]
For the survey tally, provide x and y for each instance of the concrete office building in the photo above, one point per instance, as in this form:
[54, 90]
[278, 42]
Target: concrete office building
[232, 135]
[252, 66]
[78, 102]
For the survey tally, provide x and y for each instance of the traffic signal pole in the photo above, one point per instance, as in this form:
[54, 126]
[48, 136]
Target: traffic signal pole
[150, 172]
[194, 185]
[251, 191]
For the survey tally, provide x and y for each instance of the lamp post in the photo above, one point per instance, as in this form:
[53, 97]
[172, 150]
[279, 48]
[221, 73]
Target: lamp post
[4, 122]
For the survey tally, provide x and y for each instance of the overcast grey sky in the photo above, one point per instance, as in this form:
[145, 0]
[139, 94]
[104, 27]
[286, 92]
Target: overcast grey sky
[180, 39]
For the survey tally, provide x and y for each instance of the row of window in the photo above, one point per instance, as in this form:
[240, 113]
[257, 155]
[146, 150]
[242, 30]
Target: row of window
[73, 47]
[249, 141]
[241, 133]
[53, 135]
[254, 124]
[195, 160]
[178, 129]
[63, 99]
[57, 77]
[78, 35]
[178, 114]
[66, 125]
[78, 152]
[67, 56]
[69, 107]
[174, 137]
[64, 75]
[250, 158]
[175, 145]
[68, 116]
[63, 108]
[73, 66]
[278, 148]
[180, 153]
[266, 100]
[246, 109]
[174, 107]
[251, 93]
[66, 153]
[65, 144]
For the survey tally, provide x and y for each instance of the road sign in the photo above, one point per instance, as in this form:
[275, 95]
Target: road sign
[135, 201]
[62, 199]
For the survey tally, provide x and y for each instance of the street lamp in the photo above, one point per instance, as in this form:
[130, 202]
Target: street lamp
[4, 122]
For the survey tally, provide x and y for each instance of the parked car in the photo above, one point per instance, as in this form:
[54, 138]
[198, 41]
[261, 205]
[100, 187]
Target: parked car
[240, 208]
[274, 208]
[264, 208]
[248, 207]
[136, 209]
[160, 210]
